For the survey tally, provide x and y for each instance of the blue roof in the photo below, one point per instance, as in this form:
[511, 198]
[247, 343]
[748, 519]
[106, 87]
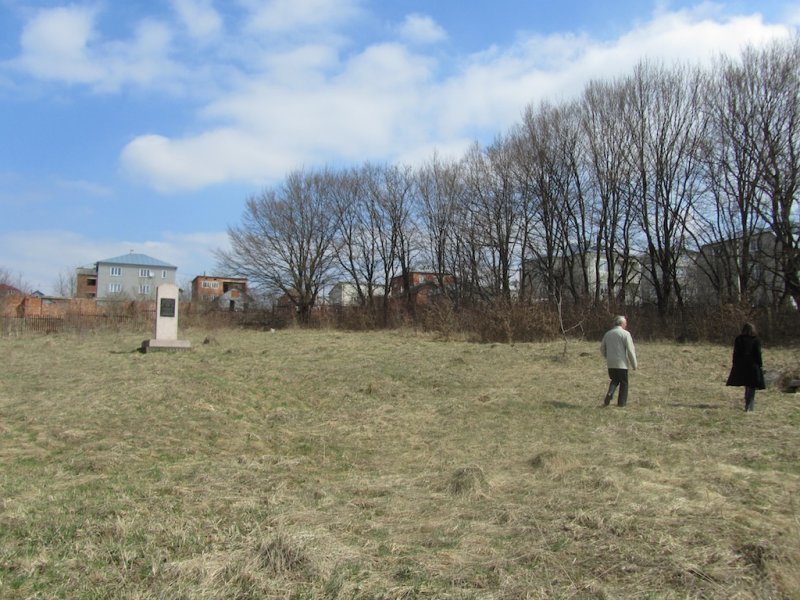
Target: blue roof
[139, 260]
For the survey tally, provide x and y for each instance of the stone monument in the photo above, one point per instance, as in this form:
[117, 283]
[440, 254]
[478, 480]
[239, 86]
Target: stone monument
[166, 330]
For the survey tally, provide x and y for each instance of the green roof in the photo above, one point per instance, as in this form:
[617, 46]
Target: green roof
[138, 260]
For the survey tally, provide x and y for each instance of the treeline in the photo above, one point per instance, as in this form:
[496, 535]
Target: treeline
[656, 178]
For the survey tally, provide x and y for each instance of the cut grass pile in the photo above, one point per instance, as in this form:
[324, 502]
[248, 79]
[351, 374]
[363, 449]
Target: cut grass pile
[304, 464]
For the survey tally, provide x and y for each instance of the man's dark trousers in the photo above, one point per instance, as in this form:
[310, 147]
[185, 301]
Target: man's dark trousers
[618, 377]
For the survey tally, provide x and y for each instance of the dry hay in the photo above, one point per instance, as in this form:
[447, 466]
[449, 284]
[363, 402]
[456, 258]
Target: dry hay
[466, 481]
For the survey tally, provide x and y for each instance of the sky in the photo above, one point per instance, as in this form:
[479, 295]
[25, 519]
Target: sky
[145, 125]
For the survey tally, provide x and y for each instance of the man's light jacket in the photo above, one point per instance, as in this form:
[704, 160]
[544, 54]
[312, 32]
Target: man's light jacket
[617, 347]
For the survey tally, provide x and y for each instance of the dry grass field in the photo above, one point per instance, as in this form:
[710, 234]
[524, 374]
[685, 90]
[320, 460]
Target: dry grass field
[308, 464]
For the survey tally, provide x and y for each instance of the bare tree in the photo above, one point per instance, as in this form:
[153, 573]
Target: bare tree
[774, 74]
[393, 215]
[358, 245]
[609, 170]
[727, 218]
[440, 188]
[544, 181]
[581, 265]
[13, 282]
[666, 130]
[286, 240]
[66, 285]
[493, 202]
[465, 252]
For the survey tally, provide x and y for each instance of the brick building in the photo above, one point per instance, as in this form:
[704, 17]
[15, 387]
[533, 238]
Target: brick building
[227, 292]
[423, 286]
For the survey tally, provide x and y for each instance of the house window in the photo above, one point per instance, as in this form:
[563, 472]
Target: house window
[206, 284]
[145, 273]
[114, 288]
[144, 289]
[116, 271]
[163, 274]
[215, 284]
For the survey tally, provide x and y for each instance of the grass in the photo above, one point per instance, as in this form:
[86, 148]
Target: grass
[303, 464]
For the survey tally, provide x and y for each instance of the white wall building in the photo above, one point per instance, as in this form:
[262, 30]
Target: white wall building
[133, 276]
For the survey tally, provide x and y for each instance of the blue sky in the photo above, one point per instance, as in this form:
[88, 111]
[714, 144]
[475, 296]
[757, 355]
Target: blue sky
[145, 125]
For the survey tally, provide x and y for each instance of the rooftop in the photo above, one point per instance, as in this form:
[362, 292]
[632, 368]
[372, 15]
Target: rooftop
[139, 260]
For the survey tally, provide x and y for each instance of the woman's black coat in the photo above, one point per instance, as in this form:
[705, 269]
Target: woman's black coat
[746, 370]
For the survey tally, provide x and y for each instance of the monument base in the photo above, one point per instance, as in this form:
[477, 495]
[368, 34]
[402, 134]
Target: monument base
[165, 345]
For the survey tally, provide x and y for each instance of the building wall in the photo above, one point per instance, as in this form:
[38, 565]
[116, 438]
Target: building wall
[424, 286]
[21, 305]
[129, 280]
[417, 278]
[207, 288]
[536, 280]
[343, 294]
[719, 267]
[86, 284]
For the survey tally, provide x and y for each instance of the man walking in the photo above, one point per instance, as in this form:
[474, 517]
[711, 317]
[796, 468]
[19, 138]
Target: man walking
[617, 348]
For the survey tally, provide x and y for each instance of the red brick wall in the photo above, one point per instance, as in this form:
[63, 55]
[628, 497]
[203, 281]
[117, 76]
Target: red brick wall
[84, 289]
[31, 306]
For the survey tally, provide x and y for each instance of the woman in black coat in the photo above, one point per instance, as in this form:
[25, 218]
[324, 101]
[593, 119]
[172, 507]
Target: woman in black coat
[746, 370]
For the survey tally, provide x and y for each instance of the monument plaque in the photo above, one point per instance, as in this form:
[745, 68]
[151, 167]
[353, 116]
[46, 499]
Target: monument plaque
[167, 307]
[166, 328]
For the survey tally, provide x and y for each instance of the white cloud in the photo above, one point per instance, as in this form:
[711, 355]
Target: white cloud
[142, 61]
[214, 157]
[293, 15]
[199, 17]
[421, 29]
[44, 255]
[691, 36]
[494, 87]
[54, 45]
[368, 109]
[313, 104]
[303, 65]
[62, 44]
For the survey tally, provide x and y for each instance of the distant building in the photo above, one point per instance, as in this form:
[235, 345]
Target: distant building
[345, 293]
[9, 290]
[720, 264]
[576, 280]
[686, 276]
[86, 282]
[229, 293]
[564, 277]
[423, 286]
[132, 276]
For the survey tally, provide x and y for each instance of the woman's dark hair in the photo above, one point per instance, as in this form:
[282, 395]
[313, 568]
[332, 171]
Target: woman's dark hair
[749, 329]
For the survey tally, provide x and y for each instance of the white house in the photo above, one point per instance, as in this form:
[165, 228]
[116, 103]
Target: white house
[346, 294]
[134, 276]
[343, 294]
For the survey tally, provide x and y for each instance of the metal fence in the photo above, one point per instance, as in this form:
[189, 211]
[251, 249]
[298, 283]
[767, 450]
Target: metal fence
[19, 326]
[140, 321]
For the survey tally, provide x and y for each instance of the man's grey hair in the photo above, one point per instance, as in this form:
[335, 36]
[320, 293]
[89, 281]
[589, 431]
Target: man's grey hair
[619, 320]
